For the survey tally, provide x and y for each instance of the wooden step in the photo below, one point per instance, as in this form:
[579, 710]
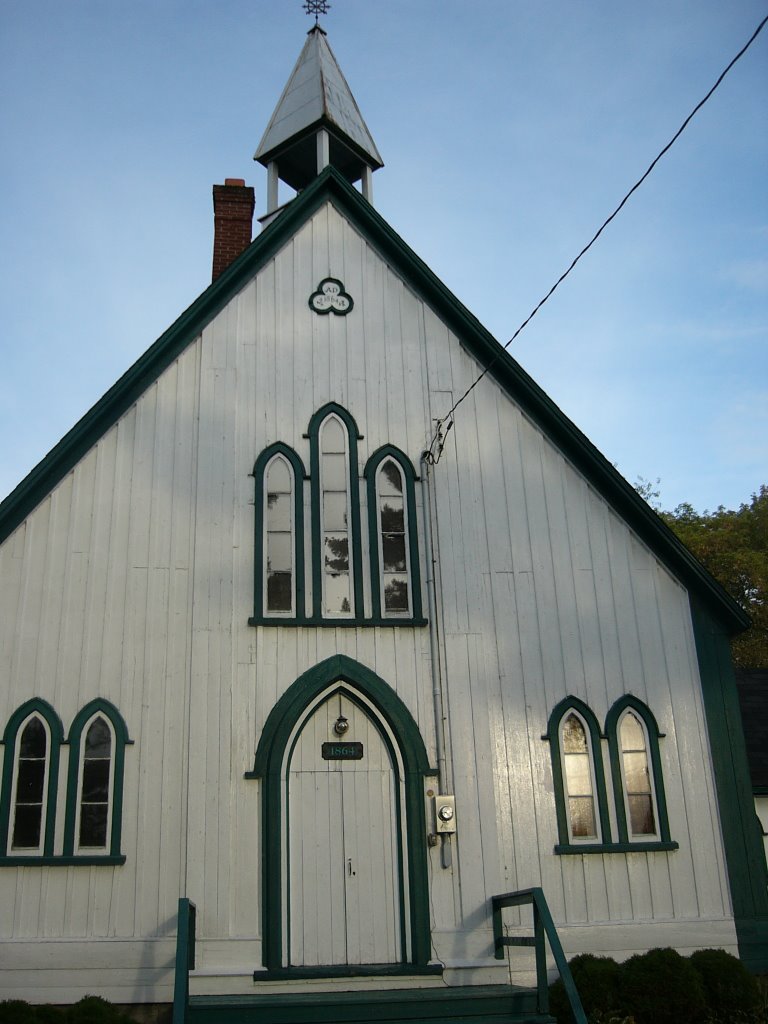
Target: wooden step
[476, 1004]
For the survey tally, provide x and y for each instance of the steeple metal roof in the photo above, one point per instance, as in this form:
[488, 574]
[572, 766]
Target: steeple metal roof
[317, 95]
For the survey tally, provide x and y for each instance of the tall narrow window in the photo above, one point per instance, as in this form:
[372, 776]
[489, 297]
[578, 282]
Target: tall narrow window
[93, 823]
[30, 787]
[579, 782]
[638, 784]
[32, 739]
[581, 802]
[337, 578]
[337, 584]
[637, 776]
[393, 539]
[279, 550]
[279, 537]
[395, 579]
[95, 786]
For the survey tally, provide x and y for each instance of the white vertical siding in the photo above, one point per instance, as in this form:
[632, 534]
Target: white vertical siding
[133, 581]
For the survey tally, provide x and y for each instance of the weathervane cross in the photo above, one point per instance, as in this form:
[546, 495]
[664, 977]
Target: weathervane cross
[316, 7]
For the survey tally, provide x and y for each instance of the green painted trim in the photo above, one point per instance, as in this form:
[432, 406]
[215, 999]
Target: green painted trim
[641, 847]
[350, 971]
[331, 186]
[543, 926]
[553, 736]
[409, 475]
[353, 436]
[35, 706]
[267, 766]
[310, 620]
[744, 849]
[99, 706]
[76, 861]
[299, 476]
[184, 960]
[628, 701]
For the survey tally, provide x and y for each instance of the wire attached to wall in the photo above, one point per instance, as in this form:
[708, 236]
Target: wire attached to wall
[444, 424]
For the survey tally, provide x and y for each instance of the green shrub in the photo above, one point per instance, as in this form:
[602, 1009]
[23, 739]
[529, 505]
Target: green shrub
[16, 1011]
[596, 980]
[95, 1010]
[662, 987]
[728, 985]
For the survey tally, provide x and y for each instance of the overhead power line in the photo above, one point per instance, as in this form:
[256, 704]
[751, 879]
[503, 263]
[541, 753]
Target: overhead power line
[444, 425]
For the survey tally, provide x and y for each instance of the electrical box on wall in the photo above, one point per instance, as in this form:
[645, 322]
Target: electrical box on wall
[445, 814]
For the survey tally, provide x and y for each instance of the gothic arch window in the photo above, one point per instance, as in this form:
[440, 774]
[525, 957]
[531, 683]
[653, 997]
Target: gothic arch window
[93, 820]
[279, 536]
[30, 775]
[395, 577]
[638, 783]
[388, 593]
[577, 768]
[337, 583]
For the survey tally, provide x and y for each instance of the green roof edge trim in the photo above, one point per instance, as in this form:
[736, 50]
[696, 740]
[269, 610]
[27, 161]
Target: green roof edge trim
[332, 186]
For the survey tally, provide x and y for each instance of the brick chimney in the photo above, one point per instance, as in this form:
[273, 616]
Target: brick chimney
[233, 204]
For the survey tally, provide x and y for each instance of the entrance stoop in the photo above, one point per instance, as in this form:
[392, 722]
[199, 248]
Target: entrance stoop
[477, 1004]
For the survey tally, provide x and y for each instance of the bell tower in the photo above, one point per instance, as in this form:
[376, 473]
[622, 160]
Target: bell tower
[316, 123]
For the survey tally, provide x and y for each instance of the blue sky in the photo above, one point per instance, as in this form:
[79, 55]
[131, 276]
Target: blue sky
[509, 128]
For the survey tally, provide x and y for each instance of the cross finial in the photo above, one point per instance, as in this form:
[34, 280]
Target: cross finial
[316, 7]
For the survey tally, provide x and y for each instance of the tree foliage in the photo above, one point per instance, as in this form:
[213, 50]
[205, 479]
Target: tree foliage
[733, 546]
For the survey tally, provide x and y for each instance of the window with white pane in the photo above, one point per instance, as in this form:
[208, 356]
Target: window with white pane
[392, 539]
[279, 549]
[30, 786]
[279, 537]
[638, 779]
[636, 774]
[337, 591]
[96, 782]
[579, 779]
[335, 520]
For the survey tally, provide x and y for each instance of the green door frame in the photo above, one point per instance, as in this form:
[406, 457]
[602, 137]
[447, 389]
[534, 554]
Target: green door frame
[270, 755]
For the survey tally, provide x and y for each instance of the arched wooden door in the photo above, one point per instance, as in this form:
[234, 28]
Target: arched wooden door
[344, 850]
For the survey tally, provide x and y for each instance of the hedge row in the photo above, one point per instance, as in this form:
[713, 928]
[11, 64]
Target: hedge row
[90, 1010]
[663, 987]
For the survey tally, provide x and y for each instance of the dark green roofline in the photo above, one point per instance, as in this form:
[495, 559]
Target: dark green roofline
[330, 185]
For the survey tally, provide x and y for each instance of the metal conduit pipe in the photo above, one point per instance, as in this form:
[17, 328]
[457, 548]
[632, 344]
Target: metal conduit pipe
[434, 644]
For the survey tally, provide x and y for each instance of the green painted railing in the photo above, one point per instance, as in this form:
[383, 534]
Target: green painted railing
[185, 959]
[543, 927]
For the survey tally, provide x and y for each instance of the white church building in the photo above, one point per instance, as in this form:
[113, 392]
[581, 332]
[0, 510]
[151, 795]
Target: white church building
[278, 646]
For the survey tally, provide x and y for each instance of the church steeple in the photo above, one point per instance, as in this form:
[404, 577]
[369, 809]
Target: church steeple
[316, 123]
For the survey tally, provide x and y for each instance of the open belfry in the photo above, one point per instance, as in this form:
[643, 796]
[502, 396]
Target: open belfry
[339, 669]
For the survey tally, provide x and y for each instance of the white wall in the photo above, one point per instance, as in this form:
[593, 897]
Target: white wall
[133, 581]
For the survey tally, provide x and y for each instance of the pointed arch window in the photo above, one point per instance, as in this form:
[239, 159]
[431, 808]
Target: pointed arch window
[93, 820]
[32, 740]
[340, 592]
[577, 768]
[638, 783]
[395, 577]
[336, 556]
[279, 549]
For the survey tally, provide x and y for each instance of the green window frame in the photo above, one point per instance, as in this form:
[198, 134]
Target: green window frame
[570, 843]
[322, 531]
[407, 530]
[261, 612]
[35, 710]
[339, 586]
[74, 850]
[660, 838]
